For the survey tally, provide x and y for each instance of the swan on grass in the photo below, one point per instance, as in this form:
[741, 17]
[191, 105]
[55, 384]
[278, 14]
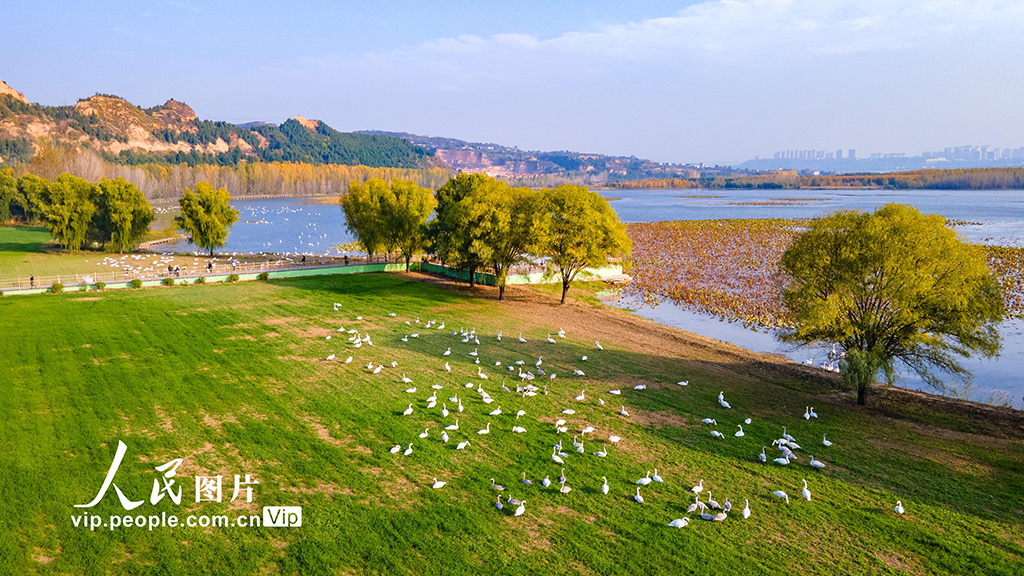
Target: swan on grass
[805, 492]
[679, 522]
[638, 498]
[781, 495]
[645, 480]
[408, 450]
[746, 509]
[437, 484]
[899, 507]
[604, 487]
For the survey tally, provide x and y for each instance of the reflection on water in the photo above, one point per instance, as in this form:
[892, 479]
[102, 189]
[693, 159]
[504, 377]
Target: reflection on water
[994, 380]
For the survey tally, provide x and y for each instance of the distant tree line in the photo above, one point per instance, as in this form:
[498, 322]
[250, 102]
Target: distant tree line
[111, 213]
[959, 179]
[482, 223]
[161, 180]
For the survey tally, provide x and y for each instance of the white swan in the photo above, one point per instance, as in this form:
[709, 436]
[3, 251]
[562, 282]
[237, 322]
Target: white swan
[396, 449]
[679, 522]
[486, 430]
[817, 463]
[656, 478]
[825, 441]
[408, 450]
[781, 494]
[623, 411]
[521, 509]
[645, 480]
[462, 445]
[899, 507]
[806, 493]
[746, 509]
[425, 433]
[604, 487]
[763, 457]
[437, 484]
[408, 411]
[698, 488]
[739, 434]
[638, 498]
[453, 426]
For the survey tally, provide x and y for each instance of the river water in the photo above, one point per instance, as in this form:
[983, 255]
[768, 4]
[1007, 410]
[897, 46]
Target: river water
[294, 226]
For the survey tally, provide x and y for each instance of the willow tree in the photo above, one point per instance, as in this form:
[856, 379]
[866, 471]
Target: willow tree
[8, 193]
[206, 215]
[406, 210]
[507, 221]
[69, 209]
[893, 286]
[579, 230]
[456, 230]
[364, 217]
[122, 217]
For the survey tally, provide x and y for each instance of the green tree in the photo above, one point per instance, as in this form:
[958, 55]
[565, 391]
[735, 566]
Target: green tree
[579, 231]
[507, 219]
[34, 195]
[69, 211]
[206, 216]
[406, 210]
[364, 216]
[893, 285]
[455, 232]
[8, 193]
[122, 217]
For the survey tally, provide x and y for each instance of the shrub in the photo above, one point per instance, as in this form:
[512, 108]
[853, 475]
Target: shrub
[1, 293]
[136, 283]
[101, 285]
[57, 288]
[200, 280]
[264, 276]
[233, 278]
[83, 288]
[168, 281]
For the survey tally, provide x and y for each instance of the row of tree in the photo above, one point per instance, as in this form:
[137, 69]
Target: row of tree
[483, 223]
[111, 213]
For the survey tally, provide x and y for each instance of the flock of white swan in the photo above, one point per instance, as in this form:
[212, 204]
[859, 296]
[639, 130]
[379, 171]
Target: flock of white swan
[709, 509]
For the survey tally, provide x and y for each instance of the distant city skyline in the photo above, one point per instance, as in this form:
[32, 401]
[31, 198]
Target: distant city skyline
[714, 82]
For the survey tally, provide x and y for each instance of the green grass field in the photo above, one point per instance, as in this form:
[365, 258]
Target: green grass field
[231, 379]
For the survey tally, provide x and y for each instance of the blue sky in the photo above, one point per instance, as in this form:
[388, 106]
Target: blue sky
[713, 81]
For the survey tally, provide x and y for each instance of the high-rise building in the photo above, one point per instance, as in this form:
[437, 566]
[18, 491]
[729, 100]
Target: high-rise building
[839, 154]
[853, 154]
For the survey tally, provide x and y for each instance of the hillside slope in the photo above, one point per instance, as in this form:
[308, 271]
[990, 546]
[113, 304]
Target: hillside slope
[173, 133]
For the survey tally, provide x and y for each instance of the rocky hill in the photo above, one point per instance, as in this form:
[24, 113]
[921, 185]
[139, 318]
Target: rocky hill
[172, 133]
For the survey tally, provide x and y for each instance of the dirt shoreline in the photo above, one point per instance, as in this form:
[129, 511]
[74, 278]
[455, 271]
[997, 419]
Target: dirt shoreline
[649, 337]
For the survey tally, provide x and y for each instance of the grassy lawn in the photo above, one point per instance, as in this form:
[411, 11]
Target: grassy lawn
[232, 379]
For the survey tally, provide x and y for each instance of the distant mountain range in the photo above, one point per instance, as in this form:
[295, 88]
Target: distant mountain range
[511, 162]
[172, 133]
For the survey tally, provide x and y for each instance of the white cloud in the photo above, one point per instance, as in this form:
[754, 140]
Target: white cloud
[734, 29]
